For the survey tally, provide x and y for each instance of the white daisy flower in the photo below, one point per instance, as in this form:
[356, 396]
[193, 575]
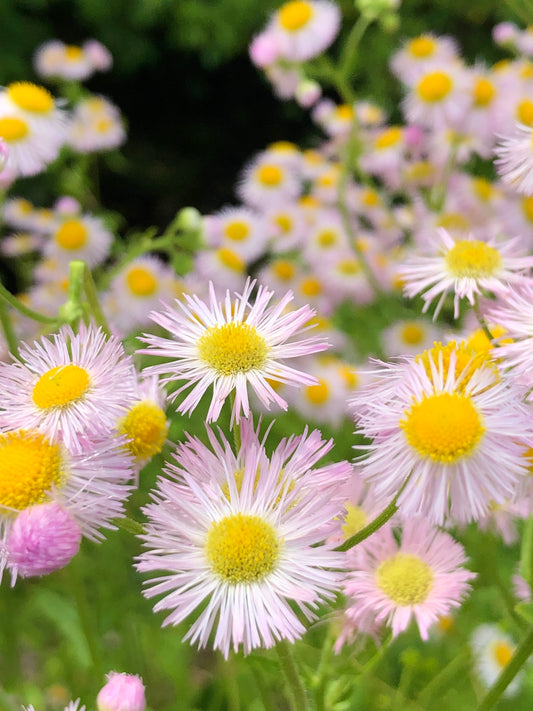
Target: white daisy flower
[304, 28]
[83, 237]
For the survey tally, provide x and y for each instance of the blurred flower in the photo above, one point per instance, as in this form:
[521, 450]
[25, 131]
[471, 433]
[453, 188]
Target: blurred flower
[492, 650]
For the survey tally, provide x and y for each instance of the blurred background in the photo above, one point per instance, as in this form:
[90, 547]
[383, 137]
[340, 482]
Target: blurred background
[196, 107]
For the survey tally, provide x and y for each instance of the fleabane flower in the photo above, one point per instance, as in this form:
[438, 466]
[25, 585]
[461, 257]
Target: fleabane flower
[242, 536]
[68, 385]
[304, 28]
[231, 345]
[464, 267]
[83, 237]
[420, 579]
[492, 650]
[444, 422]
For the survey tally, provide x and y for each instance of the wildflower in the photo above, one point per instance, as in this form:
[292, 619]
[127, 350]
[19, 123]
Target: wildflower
[444, 418]
[492, 650]
[267, 182]
[409, 337]
[95, 125]
[464, 267]
[439, 98]
[229, 346]
[242, 536]
[420, 53]
[122, 692]
[58, 60]
[83, 237]
[239, 229]
[68, 385]
[421, 578]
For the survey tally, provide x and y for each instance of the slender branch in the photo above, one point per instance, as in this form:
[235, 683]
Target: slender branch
[349, 51]
[24, 310]
[297, 693]
[447, 673]
[94, 302]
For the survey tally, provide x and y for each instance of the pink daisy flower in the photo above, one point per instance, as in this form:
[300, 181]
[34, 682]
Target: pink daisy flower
[230, 346]
[241, 543]
[444, 422]
[464, 267]
[69, 385]
[420, 579]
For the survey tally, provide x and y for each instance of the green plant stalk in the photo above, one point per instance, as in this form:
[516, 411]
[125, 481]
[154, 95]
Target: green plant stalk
[526, 553]
[297, 693]
[7, 328]
[445, 675]
[236, 425]
[24, 310]
[94, 302]
[86, 620]
[350, 48]
[438, 192]
[508, 673]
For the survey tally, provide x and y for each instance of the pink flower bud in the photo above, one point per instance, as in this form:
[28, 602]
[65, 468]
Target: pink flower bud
[505, 33]
[308, 92]
[99, 56]
[43, 538]
[67, 205]
[263, 50]
[123, 692]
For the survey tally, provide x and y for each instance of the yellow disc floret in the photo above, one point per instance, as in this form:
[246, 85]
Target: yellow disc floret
[61, 386]
[270, 175]
[283, 269]
[141, 281]
[354, 520]
[524, 112]
[317, 394]
[421, 47]
[503, 652]
[30, 466]
[484, 92]
[294, 15]
[435, 87]
[13, 129]
[71, 235]
[73, 53]
[388, 138]
[230, 259]
[146, 427]
[444, 427]
[405, 579]
[237, 230]
[242, 548]
[473, 259]
[412, 334]
[30, 97]
[233, 348]
[467, 361]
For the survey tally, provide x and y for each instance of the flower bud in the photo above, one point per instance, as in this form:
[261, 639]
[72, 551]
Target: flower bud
[123, 692]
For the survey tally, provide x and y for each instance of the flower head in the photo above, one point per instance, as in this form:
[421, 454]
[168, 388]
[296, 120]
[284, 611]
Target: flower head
[122, 692]
[230, 346]
[304, 28]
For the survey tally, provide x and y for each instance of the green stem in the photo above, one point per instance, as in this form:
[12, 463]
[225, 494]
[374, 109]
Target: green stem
[526, 553]
[438, 191]
[349, 51]
[483, 323]
[298, 696]
[445, 675]
[87, 621]
[94, 302]
[24, 310]
[508, 673]
[236, 425]
[321, 676]
[8, 330]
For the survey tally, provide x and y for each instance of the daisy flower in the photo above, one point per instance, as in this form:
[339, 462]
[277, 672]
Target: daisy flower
[230, 346]
[465, 267]
[439, 98]
[444, 418]
[68, 385]
[241, 548]
[492, 650]
[422, 578]
[267, 182]
[90, 486]
[240, 229]
[409, 337]
[304, 28]
[83, 237]
[421, 52]
[58, 60]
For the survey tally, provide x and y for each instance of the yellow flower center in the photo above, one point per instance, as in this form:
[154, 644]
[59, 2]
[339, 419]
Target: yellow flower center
[483, 188]
[284, 147]
[420, 170]
[421, 47]
[30, 97]
[412, 334]
[60, 386]
[503, 652]
[233, 348]
[473, 259]
[29, 467]
[349, 267]
[317, 394]
[388, 138]
[230, 259]
[294, 15]
[445, 623]
[444, 427]
[453, 221]
[146, 427]
[524, 112]
[13, 129]
[242, 548]
[327, 238]
[310, 287]
[405, 579]
[141, 281]
[283, 270]
[434, 87]
[284, 222]
[354, 520]
[527, 206]
[71, 235]
[467, 360]
[237, 231]
[370, 198]
[479, 342]
[73, 53]
[344, 112]
[103, 125]
[349, 376]
[270, 175]
[484, 92]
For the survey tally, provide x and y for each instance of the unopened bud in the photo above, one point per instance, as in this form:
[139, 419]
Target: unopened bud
[308, 92]
[123, 692]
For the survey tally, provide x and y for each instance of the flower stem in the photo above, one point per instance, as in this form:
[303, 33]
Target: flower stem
[7, 328]
[349, 51]
[508, 673]
[93, 301]
[24, 310]
[443, 677]
[297, 693]
[483, 323]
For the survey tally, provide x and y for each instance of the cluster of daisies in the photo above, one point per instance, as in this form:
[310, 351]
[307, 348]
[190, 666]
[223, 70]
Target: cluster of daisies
[35, 126]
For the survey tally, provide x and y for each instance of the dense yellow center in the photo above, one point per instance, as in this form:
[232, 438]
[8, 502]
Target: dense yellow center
[233, 348]
[270, 175]
[294, 15]
[434, 87]
[13, 129]
[370, 198]
[284, 222]
[453, 221]
[344, 112]
[527, 207]
[60, 386]
[29, 467]
[524, 112]
[283, 270]
[73, 53]
[230, 259]
[317, 394]
[327, 238]
[30, 97]
[354, 520]
[484, 92]
[71, 235]
[388, 138]
[444, 427]
[483, 188]
[242, 548]
[412, 334]
[473, 259]
[103, 125]
[467, 360]
[237, 231]
[405, 579]
[421, 47]
[503, 652]
[141, 281]
[310, 287]
[146, 427]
